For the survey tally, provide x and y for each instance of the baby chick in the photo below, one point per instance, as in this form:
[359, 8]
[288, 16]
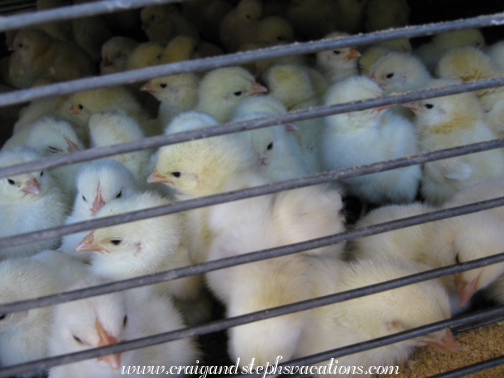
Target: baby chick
[369, 136]
[385, 14]
[163, 22]
[312, 19]
[351, 15]
[29, 202]
[145, 55]
[373, 316]
[97, 183]
[222, 89]
[180, 48]
[272, 30]
[245, 14]
[90, 33]
[115, 53]
[496, 53]
[108, 319]
[43, 56]
[452, 121]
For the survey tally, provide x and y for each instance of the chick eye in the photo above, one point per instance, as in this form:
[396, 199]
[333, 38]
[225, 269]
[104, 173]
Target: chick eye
[3, 316]
[280, 38]
[239, 93]
[158, 57]
[53, 150]
[12, 182]
[119, 194]
[337, 52]
[270, 146]
[429, 106]
[162, 85]
[80, 107]
[457, 259]
[41, 173]
[248, 16]
[390, 75]
[20, 45]
[84, 198]
[77, 339]
[176, 174]
[116, 241]
[125, 320]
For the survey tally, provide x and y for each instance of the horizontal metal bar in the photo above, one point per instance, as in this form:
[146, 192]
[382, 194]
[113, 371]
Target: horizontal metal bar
[65, 13]
[233, 127]
[470, 369]
[148, 73]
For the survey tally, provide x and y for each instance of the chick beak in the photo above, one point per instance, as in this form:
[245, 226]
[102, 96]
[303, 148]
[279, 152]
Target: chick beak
[446, 344]
[465, 290]
[97, 203]
[155, 177]
[73, 110]
[147, 87]
[257, 88]
[411, 105]
[291, 127]
[352, 54]
[32, 186]
[114, 360]
[88, 244]
[72, 147]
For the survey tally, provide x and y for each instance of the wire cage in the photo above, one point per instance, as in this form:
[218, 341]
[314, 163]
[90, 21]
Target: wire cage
[449, 16]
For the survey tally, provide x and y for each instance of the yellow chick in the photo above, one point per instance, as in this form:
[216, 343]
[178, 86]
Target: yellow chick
[385, 14]
[115, 53]
[43, 56]
[246, 13]
[222, 89]
[312, 19]
[145, 55]
[369, 56]
[163, 22]
[453, 121]
[272, 30]
[180, 48]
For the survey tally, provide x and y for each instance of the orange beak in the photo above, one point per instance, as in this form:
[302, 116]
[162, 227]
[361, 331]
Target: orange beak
[114, 360]
[291, 127]
[73, 110]
[257, 88]
[411, 105]
[147, 87]
[98, 203]
[32, 186]
[88, 244]
[156, 177]
[72, 147]
[352, 54]
[465, 290]
[446, 344]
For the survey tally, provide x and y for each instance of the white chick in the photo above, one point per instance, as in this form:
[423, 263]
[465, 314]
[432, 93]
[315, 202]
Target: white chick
[385, 14]
[370, 136]
[453, 121]
[338, 64]
[43, 56]
[177, 94]
[163, 22]
[52, 137]
[24, 335]
[114, 127]
[369, 56]
[29, 202]
[97, 183]
[312, 19]
[145, 247]
[115, 53]
[373, 316]
[431, 52]
[246, 13]
[351, 15]
[222, 89]
[108, 319]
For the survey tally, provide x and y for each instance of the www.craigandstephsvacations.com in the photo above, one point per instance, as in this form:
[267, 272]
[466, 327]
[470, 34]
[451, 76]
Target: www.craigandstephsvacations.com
[331, 367]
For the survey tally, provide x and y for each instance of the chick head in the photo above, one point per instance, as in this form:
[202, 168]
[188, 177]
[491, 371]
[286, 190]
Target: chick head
[399, 72]
[249, 10]
[113, 127]
[275, 30]
[132, 249]
[26, 186]
[30, 43]
[290, 84]
[337, 58]
[182, 47]
[145, 55]
[155, 14]
[399, 309]
[443, 115]
[51, 136]
[259, 104]
[174, 89]
[90, 323]
[221, 90]
[459, 38]
[100, 182]
[370, 56]
[115, 53]
[466, 63]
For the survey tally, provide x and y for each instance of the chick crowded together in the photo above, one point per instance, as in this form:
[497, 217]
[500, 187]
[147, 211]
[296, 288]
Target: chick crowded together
[143, 179]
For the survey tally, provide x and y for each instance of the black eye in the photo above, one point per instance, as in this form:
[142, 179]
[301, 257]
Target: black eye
[270, 146]
[280, 38]
[20, 45]
[176, 174]
[162, 85]
[119, 194]
[248, 16]
[41, 173]
[457, 260]
[239, 93]
[12, 182]
[53, 150]
[3, 316]
[80, 107]
[116, 241]
[158, 57]
[390, 75]
[125, 321]
[337, 52]
[84, 198]
[77, 339]
[429, 106]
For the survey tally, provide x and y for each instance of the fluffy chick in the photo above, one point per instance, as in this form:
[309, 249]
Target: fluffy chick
[453, 121]
[222, 89]
[369, 136]
[29, 202]
[496, 53]
[372, 316]
[108, 319]
[272, 30]
[338, 64]
[43, 56]
[97, 183]
[163, 22]
[385, 14]
[115, 53]
[180, 48]
[351, 15]
[312, 19]
[246, 13]
[145, 55]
